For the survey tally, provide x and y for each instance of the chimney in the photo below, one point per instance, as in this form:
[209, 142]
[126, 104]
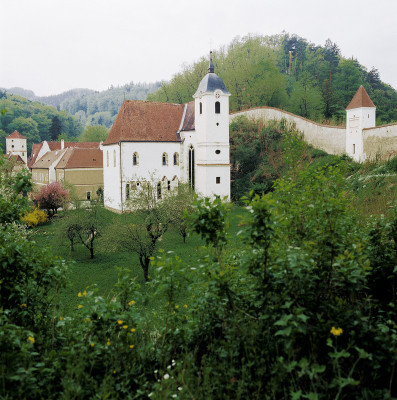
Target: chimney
[62, 144]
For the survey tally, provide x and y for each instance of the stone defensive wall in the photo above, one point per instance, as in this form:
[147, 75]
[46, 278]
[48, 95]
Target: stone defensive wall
[380, 142]
[331, 139]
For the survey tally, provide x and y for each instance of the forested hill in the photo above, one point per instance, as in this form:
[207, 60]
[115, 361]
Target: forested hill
[288, 72]
[34, 120]
[92, 107]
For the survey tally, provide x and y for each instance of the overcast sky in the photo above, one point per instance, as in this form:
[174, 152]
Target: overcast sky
[50, 46]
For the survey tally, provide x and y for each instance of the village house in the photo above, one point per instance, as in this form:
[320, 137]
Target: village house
[76, 163]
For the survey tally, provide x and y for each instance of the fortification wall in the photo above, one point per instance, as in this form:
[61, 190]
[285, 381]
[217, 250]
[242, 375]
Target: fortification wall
[331, 139]
[380, 142]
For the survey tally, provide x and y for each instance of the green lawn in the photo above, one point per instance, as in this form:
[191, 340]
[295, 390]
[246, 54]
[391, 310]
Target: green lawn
[102, 270]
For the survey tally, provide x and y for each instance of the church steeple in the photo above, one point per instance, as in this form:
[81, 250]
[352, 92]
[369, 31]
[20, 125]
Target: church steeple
[211, 65]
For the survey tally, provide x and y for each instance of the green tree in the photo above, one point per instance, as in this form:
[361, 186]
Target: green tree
[96, 133]
[56, 128]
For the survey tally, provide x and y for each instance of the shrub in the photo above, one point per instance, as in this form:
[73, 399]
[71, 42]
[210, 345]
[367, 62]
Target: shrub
[52, 196]
[35, 217]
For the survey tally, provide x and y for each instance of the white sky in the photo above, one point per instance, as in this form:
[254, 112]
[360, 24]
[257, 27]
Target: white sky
[50, 46]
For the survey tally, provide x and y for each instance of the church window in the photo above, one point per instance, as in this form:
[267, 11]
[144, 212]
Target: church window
[107, 158]
[164, 159]
[114, 158]
[217, 107]
[218, 179]
[191, 167]
[201, 108]
[169, 185]
[354, 148]
[176, 159]
[159, 190]
[217, 152]
[127, 191]
[135, 159]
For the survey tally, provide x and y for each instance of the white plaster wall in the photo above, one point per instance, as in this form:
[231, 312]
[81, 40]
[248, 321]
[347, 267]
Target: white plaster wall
[206, 180]
[331, 139]
[380, 142]
[111, 177]
[188, 139]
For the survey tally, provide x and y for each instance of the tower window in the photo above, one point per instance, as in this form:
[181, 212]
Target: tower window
[217, 107]
[135, 159]
[164, 159]
[217, 152]
[201, 108]
[218, 179]
[354, 148]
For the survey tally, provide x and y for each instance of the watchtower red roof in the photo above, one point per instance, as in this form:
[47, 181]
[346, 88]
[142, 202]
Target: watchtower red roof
[360, 99]
[15, 135]
[144, 121]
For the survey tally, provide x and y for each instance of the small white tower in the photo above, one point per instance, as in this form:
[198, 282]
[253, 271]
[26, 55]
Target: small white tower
[16, 145]
[360, 114]
[212, 131]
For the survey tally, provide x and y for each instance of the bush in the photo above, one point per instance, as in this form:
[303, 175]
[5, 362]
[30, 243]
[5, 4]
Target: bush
[35, 217]
[52, 196]
[391, 165]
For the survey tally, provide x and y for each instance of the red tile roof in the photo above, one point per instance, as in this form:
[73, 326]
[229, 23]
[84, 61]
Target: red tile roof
[188, 121]
[15, 157]
[15, 135]
[81, 158]
[360, 99]
[141, 121]
[87, 145]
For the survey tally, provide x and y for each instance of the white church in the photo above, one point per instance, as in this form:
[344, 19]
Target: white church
[165, 144]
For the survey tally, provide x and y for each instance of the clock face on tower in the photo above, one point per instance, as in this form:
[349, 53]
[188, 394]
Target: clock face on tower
[217, 95]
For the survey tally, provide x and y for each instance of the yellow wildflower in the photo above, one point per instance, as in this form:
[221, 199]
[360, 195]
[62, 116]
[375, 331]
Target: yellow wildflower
[336, 331]
[177, 306]
[23, 305]
[79, 294]
[120, 321]
[185, 305]
[79, 306]
[125, 326]
[108, 342]
[131, 303]
[114, 371]
[85, 293]
[131, 346]
[31, 339]
[132, 329]
[92, 344]
[60, 318]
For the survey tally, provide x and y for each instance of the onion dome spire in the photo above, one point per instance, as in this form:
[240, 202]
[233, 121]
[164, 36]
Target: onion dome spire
[211, 65]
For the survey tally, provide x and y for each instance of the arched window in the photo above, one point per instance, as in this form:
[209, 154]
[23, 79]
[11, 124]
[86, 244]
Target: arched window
[135, 159]
[164, 159]
[159, 190]
[191, 167]
[201, 108]
[217, 107]
[114, 158]
[107, 158]
[176, 158]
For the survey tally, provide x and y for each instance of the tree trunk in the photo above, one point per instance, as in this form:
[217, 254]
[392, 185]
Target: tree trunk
[144, 261]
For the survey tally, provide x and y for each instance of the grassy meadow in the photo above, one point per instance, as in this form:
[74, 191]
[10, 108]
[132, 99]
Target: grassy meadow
[102, 271]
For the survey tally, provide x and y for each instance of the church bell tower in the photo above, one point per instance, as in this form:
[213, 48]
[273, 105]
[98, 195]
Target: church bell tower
[212, 131]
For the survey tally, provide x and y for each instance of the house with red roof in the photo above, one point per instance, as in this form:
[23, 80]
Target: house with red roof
[163, 144]
[76, 163]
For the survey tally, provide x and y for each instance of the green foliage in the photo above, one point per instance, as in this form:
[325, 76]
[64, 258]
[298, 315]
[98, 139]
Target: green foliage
[95, 133]
[34, 120]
